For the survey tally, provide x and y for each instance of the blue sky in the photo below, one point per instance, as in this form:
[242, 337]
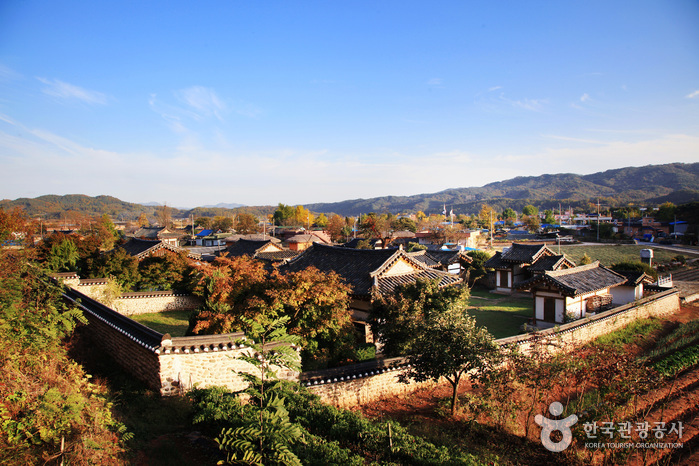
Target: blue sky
[195, 103]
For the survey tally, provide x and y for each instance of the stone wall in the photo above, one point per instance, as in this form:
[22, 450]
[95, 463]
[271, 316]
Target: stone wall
[174, 365]
[358, 384]
[169, 365]
[155, 301]
[132, 303]
[362, 383]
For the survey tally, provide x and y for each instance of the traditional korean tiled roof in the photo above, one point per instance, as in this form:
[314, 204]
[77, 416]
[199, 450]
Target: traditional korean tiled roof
[386, 285]
[307, 238]
[525, 253]
[354, 242]
[252, 237]
[277, 256]
[425, 259]
[149, 232]
[635, 278]
[577, 280]
[447, 257]
[551, 263]
[264, 250]
[142, 248]
[496, 262]
[362, 269]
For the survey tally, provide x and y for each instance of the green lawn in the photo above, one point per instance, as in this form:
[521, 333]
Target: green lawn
[173, 322]
[610, 254]
[501, 315]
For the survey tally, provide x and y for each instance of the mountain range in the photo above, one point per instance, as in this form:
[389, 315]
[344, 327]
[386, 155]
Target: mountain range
[648, 185]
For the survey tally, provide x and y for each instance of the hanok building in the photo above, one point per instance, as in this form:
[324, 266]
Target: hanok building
[453, 261]
[159, 234]
[520, 262]
[305, 240]
[574, 293]
[268, 251]
[369, 272]
[142, 248]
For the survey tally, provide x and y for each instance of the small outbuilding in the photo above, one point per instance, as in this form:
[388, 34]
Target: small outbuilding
[570, 294]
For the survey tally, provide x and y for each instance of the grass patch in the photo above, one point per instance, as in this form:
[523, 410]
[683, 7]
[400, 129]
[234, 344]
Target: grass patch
[173, 322]
[502, 316]
[632, 333]
[612, 254]
[483, 294]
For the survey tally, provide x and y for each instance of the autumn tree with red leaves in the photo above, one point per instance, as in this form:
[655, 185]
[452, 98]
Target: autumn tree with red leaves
[238, 288]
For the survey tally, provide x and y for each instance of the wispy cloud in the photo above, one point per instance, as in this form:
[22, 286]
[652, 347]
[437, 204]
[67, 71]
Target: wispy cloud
[494, 88]
[63, 90]
[534, 105]
[437, 82]
[693, 95]
[585, 97]
[203, 100]
[8, 74]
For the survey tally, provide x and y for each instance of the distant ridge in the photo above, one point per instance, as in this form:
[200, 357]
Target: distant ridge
[649, 185]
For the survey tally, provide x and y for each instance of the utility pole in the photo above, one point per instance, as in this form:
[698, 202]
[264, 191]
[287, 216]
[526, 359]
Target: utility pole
[598, 219]
[491, 228]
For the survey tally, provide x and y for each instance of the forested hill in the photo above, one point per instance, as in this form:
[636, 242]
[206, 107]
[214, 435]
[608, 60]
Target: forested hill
[652, 184]
[649, 185]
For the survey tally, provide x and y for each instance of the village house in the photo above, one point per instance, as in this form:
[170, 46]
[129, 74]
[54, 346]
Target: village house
[305, 240]
[369, 272]
[159, 233]
[269, 251]
[569, 294]
[520, 262]
[142, 248]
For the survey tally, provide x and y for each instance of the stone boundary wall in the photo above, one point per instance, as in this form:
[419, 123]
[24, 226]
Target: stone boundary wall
[349, 386]
[155, 301]
[132, 303]
[169, 365]
[174, 365]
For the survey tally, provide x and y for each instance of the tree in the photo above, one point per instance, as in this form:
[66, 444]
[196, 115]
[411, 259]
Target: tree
[485, 216]
[450, 345]
[509, 216]
[223, 223]
[204, 222]
[166, 272]
[239, 288]
[335, 226]
[532, 222]
[549, 217]
[47, 399]
[119, 264]
[265, 437]
[476, 269]
[666, 212]
[143, 220]
[246, 224]
[283, 215]
[375, 226]
[11, 223]
[530, 210]
[303, 216]
[63, 256]
[404, 223]
[396, 319]
[321, 221]
[107, 233]
[164, 216]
